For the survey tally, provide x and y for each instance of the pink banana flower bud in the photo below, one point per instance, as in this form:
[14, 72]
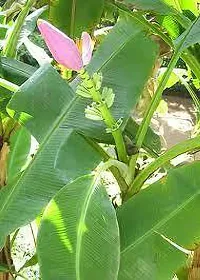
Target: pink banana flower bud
[63, 49]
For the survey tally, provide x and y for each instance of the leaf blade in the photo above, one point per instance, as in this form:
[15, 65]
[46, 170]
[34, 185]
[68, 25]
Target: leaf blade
[75, 16]
[80, 232]
[144, 253]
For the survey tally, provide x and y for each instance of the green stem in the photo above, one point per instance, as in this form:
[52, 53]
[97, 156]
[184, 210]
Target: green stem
[8, 85]
[20, 275]
[14, 237]
[131, 169]
[122, 167]
[7, 251]
[154, 104]
[116, 173]
[10, 47]
[181, 148]
[192, 62]
[107, 117]
[192, 93]
[155, 100]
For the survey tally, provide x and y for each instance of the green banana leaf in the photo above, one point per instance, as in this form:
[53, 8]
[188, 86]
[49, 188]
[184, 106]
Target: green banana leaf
[158, 6]
[15, 71]
[75, 16]
[32, 261]
[79, 236]
[125, 66]
[190, 37]
[189, 5]
[169, 207]
[23, 200]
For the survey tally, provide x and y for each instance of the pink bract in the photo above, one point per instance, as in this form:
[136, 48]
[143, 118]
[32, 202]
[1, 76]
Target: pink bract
[62, 48]
[87, 48]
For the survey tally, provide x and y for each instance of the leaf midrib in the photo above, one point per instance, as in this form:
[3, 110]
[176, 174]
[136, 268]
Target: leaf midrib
[42, 145]
[115, 53]
[160, 224]
[85, 207]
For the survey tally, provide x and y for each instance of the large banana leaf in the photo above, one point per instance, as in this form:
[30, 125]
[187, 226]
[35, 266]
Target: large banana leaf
[79, 236]
[75, 16]
[169, 207]
[15, 71]
[189, 5]
[126, 66]
[21, 201]
[158, 6]
[190, 37]
[183, 5]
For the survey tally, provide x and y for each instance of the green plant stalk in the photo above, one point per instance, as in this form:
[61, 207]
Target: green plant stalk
[189, 59]
[20, 275]
[116, 173]
[153, 105]
[8, 85]
[14, 237]
[192, 62]
[107, 117]
[7, 251]
[122, 167]
[192, 94]
[155, 100]
[10, 47]
[181, 148]
[132, 168]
